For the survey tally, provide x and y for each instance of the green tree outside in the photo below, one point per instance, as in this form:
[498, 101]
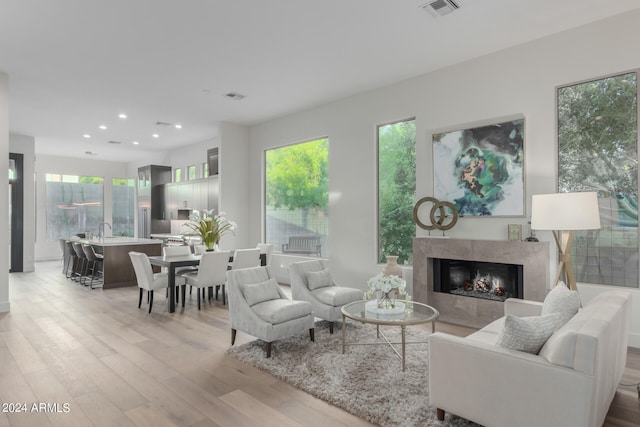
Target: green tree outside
[297, 176]
[396, 190]
[597, 151]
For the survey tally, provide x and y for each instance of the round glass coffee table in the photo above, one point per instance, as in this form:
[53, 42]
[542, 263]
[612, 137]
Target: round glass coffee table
[413, 313]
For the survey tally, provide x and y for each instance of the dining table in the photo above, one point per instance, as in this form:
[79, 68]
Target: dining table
[176, 261]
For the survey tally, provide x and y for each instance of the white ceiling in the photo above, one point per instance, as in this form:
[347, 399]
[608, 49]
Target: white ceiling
[75, 64]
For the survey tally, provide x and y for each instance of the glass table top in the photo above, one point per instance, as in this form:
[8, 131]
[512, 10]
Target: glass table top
[414, 313]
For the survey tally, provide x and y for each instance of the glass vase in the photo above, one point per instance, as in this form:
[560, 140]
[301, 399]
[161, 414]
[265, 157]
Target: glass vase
[387, 299]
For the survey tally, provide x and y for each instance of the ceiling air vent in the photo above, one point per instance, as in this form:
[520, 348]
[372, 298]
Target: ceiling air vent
[235, 96]
[114, 142]
[440, 7]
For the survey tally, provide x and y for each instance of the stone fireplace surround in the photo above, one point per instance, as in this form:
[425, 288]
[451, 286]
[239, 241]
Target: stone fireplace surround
[468, 311]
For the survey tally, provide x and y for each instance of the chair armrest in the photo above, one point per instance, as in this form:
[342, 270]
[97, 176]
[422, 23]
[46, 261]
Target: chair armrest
[522, 308]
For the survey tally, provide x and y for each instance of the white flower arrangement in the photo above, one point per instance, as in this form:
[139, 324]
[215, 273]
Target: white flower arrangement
[386, 284]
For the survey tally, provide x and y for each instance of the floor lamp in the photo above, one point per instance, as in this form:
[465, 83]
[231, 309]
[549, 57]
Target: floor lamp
[564, 213]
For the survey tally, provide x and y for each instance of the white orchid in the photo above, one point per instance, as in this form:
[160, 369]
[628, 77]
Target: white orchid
[386, 284]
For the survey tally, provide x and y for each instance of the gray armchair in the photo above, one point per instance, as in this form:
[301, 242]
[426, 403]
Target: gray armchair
[258, 307]
[311, 281]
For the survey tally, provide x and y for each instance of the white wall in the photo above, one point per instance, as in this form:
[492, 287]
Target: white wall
[26, 145]
[234, 186]
[520, 80]
[4, 192]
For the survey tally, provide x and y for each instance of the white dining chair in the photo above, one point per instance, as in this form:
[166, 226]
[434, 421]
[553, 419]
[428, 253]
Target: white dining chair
[246, 258]
[267, 249]
[211, 273]
[169, 251]
[146, 278]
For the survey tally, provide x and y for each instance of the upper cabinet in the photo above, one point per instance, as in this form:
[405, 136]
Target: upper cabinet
[199, 194]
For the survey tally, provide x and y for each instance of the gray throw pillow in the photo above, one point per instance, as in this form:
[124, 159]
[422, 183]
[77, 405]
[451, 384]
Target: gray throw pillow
[563, 301]
[319, 279]
[527, 334]
[256, 293]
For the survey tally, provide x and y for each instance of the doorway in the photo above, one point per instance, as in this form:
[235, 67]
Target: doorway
[16, 210]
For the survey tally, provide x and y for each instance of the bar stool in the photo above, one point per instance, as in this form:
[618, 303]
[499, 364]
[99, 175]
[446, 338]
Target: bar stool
[81, 266]
[95, 263]
[72, 262]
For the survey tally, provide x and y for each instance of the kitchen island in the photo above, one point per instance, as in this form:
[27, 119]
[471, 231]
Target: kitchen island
[117, 269]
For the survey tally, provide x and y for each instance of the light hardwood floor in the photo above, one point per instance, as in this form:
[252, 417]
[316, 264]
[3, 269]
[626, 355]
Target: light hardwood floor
[105, 362]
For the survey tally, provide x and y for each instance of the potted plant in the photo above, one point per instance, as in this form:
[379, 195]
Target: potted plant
[210, 227]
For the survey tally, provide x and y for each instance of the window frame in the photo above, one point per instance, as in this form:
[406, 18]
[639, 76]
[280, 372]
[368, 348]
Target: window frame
[378, 249]
[278, 249]
[558, 88]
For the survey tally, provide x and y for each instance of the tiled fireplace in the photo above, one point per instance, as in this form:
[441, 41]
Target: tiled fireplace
[468, 280]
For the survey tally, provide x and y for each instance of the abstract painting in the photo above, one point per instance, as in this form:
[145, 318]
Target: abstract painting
[481, 170]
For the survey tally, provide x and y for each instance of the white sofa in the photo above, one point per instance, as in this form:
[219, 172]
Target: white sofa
[570, 382]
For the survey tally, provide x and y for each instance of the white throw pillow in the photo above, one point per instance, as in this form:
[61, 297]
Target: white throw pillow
[527, 333]
[255, 293]
[319, 279]
[563, 301]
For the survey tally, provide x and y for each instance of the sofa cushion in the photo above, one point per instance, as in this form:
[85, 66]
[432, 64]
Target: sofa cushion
[255, 293]
[281, 310]
[319, 279]
[563, 301]
[337, 296]
[527, 334]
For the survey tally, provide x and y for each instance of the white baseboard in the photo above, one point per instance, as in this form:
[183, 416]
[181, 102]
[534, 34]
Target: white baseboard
[634, 339]
[5, 307]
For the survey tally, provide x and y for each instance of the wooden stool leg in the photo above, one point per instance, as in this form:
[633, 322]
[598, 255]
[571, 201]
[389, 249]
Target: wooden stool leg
[440, 414]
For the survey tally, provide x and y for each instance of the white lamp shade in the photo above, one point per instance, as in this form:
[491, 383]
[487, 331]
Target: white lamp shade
[565, 211]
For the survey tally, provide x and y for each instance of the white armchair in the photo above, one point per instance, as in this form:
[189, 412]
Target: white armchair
[258, 307]
[311, 281]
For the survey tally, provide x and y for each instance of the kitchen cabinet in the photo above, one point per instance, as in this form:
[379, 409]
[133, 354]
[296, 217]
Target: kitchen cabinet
[188, 196]
[151, 204]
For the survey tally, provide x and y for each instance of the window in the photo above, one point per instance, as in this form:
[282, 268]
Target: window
[178, 175]
[297, 195]
[598, 151]
[191, 172]
[123, 206]
[396, 190]
[205, 169]
[74, 204]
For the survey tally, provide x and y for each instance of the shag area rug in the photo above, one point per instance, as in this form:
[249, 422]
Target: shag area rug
[366, 381]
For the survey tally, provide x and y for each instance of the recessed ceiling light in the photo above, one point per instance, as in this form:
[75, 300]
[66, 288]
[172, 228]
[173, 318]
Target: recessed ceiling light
[178, 126]
[122, 115]
[135, 143]
[102, 127]
[86, 135]
[155, 135]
